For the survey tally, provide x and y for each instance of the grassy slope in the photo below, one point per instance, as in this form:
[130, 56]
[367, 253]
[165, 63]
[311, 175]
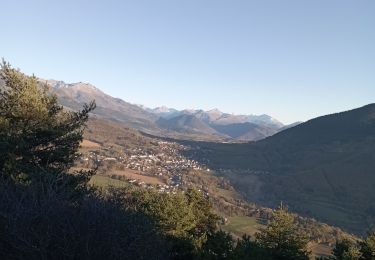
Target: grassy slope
[240, 225]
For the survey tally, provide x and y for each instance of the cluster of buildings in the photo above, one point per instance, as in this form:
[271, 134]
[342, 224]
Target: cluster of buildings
[164, 160]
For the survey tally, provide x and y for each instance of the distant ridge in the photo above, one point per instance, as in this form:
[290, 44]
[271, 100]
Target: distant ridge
[212, 125]
[237, 127]
[186, 123]
[215, 116]
[245, 131]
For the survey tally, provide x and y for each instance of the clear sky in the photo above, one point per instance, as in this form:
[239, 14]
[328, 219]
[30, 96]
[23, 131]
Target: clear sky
[293, 60]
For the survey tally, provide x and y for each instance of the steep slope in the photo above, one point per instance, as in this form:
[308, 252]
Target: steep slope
[323, 168]
[208, 116]
[265, 120]
[165, 112]
[244, 131]
[290, 126]
[185, 123]
[76, 94]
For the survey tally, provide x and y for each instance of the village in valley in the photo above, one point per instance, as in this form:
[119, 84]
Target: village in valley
[161, 165]
[168, 167]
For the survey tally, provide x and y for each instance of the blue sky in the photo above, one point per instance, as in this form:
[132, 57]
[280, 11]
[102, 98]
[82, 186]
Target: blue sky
[293, 60]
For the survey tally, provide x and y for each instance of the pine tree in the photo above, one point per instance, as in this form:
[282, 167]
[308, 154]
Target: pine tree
[38, 138]
[219, 245]
[282, 238]
[346, 250]
[247, 248]
[368, 247]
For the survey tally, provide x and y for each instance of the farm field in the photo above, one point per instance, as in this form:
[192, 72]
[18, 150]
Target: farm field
[105, 181]
[136, 175]
[243, 225]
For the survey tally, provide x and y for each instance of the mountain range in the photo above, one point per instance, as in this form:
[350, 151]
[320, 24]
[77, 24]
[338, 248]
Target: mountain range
[212, 125]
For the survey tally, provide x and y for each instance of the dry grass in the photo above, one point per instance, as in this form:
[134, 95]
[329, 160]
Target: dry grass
[132, 174]
[89, 144]
[319, 250]
[241, 225]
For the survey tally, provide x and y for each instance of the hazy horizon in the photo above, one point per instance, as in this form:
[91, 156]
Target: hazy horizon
[291, 60]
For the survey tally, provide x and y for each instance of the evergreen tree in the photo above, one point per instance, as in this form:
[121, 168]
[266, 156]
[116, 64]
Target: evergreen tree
[346, 250]
[282, 238]
[246, 248]
[38, 138]
[205, 220]
[186, 219]
[353, 253]
[219, 245]
[368, 247]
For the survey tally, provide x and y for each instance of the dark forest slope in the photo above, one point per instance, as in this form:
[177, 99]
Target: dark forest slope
[323, 168]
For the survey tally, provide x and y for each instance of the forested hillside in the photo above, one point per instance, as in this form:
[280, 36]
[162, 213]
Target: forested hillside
[323, 168]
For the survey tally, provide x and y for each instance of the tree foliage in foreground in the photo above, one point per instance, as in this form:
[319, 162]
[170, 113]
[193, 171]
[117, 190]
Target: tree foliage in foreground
[185, 219]
[355, 250]
[49, 225]
[38, 138]
[283, 238]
